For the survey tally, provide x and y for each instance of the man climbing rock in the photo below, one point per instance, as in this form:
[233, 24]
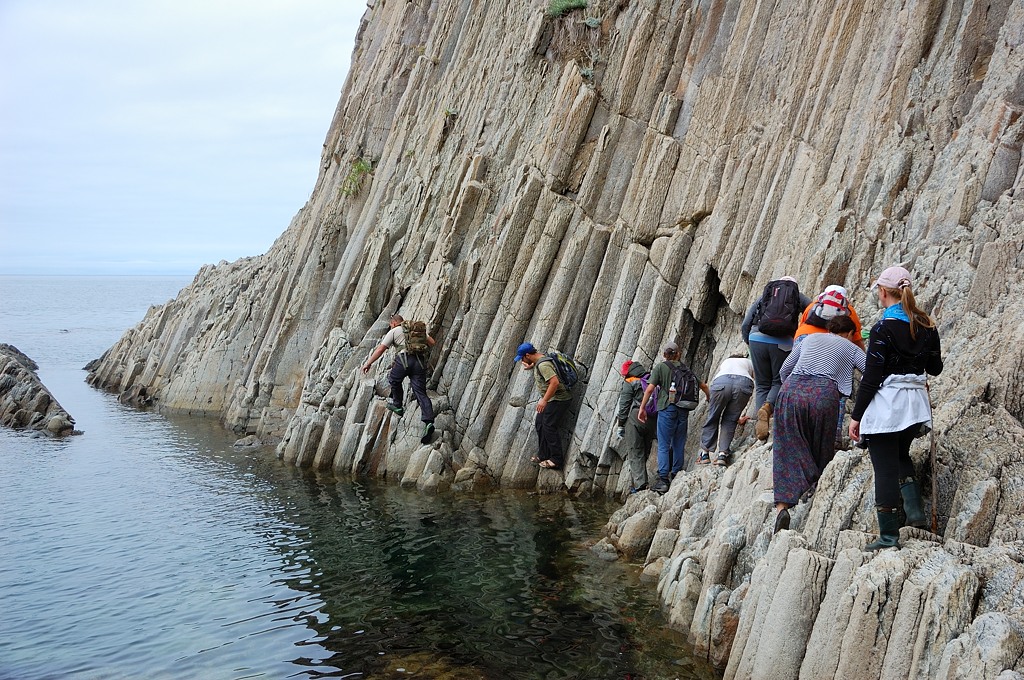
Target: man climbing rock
[412, 343]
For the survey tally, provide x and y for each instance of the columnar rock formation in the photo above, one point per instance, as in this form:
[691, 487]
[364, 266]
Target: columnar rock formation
[25, 403]
[622, 175]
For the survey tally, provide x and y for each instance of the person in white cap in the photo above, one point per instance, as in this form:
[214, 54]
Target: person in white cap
[892, 406]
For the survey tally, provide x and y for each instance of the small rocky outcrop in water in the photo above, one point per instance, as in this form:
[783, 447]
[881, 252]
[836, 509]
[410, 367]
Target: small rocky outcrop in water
[24, 402]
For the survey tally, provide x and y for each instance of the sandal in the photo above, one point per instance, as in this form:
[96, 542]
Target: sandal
[534, 459]
[548, 464]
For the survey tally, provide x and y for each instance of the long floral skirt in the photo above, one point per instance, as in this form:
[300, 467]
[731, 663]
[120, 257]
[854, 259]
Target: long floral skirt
[804, 437]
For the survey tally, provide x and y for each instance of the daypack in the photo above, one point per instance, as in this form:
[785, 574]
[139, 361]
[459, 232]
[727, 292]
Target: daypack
[829, 306]
[779, 309]
[415, 337]
[652, 403]
[566, 368]
[686, 386]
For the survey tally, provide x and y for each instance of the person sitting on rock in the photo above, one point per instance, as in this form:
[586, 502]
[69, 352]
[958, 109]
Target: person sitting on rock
[815, 374]
[635, 438]
[832, 302]
[412, 343]
[554, 402]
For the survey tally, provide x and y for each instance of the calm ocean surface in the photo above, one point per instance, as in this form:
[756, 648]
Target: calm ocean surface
[149, 548]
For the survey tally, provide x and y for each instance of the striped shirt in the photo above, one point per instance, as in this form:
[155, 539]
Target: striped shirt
[825, 354]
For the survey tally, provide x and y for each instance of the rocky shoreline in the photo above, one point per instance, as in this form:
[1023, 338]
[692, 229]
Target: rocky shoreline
[25, 403]
[625, 174]
[809, 602]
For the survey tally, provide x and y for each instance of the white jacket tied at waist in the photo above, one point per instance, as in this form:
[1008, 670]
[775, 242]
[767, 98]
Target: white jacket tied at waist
[900, 402]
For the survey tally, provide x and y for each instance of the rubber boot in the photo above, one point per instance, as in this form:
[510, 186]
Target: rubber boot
[764, 419]
[912, 504]
[888, 530]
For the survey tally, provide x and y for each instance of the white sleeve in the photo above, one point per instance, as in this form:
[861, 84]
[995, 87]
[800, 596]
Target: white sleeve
[391, 337]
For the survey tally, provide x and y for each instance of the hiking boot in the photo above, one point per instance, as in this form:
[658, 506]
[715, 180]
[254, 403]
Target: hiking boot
[428, 432]
[888, 530]
[704, 458]
[781, 520]
[912, 503]
[394, 408]
[660, 486]
[638, 489]
[723, 458]
[764, 419]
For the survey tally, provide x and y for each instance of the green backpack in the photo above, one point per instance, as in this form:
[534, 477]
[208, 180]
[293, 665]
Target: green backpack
[415, 337]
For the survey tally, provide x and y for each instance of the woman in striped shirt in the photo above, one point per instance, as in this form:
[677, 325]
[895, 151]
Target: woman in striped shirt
[817, 373]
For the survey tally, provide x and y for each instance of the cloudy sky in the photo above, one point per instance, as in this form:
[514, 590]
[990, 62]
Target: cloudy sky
[154, 137]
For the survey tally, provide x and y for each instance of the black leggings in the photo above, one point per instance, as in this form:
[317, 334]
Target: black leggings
[890, 457]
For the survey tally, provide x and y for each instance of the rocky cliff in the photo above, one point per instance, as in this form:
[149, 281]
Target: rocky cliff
[628, 173]
[25, 403]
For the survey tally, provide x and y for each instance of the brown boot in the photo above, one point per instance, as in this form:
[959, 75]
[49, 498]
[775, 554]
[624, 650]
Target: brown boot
[764, 418]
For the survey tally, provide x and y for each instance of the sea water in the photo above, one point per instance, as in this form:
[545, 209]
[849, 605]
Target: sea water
[150, 547]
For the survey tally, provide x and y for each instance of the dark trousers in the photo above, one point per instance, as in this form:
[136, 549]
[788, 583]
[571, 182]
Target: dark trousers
[890, 458]
[636, 444]
[415, 367]
[549, 434]
[767, 359]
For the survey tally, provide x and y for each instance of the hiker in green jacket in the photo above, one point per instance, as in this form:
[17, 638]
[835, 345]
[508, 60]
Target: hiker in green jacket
[411, 343]
[635, 438]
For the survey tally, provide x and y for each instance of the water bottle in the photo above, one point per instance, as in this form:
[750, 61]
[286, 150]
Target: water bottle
[672, 393]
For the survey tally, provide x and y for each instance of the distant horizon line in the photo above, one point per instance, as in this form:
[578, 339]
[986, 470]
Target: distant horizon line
[175, 274]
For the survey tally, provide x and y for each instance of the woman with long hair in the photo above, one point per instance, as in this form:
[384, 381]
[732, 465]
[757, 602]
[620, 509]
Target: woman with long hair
[892, 404]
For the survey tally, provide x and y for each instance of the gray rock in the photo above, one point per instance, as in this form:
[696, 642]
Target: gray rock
[604, 214]
[25, 403]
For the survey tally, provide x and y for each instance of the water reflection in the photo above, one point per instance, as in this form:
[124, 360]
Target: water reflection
[496, 586]
[151, 547]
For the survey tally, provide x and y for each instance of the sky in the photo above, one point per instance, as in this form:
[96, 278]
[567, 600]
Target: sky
[155, 137]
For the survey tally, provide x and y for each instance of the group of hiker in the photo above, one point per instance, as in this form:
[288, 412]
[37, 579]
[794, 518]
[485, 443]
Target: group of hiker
[799, 367]
[892, 405]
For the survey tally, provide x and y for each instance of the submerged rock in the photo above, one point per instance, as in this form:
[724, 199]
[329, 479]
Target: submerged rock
[25, 403]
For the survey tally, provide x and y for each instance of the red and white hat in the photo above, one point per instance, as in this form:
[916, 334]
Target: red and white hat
[832, 302]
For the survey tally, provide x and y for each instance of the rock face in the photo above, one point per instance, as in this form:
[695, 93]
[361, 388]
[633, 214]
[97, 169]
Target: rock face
[619, 176]
[24, 402]
[809, 602]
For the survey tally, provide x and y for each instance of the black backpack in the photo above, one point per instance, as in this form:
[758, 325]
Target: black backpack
[686, 386]
[779, 309]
